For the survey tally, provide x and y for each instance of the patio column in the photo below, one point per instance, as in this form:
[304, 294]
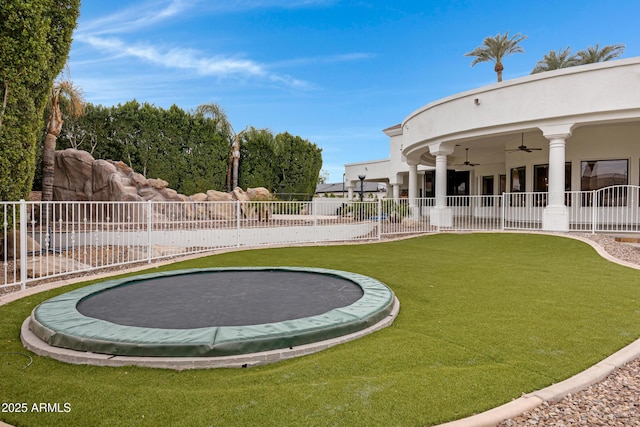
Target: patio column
[413, 181]
[350, 191]
[395, 192]
[413, 188]
[441, 180]
[556, 215]
[441, 215]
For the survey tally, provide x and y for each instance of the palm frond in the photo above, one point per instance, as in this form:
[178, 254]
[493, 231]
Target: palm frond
[594, 54]
[70, 96]
[215, 112]
[555, 60]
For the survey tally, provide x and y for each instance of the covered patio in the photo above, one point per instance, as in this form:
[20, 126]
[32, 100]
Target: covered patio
[539, 138]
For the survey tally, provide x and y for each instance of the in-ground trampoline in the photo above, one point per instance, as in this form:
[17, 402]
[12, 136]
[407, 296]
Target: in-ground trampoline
[209, 317]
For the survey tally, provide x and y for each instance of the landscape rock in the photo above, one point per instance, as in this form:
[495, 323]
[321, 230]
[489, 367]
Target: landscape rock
[259, 193]
[102, 170]
[198, 197]
[240, 195]
[218, 196]
[80, 177]
[158, 184]
[72, 177]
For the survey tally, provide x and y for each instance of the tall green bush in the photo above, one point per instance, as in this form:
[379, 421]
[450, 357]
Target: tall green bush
[35, 38]
[190, 151]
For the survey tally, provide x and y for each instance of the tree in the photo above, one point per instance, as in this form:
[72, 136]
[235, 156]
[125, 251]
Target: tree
[323, 177]
[300, 162]
[69, 97]
[594, 54]
[258, 159]
[35, 38]
[495, 49]
[555, 60]
[217, 113]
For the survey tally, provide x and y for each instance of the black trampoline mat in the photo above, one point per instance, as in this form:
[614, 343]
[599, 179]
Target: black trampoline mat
[221, 298]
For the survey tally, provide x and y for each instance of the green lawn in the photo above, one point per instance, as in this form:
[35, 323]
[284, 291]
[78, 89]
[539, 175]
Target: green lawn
[483, 319]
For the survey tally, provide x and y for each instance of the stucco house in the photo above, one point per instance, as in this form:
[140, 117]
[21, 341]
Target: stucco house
[571, 130]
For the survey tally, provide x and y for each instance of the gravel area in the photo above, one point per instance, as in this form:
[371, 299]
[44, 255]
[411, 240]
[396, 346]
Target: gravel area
[615, 401]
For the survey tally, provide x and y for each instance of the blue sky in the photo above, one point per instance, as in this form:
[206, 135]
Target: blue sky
[333, 72]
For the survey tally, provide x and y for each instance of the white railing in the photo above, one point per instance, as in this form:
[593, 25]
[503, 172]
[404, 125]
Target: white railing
[48, 239]
[42, 240]
[475, 213]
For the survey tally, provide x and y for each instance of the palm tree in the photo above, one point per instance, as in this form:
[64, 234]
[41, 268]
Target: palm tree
[217, 113]
[496, 48]
[555, 60]
[594, 54]
[64, 94]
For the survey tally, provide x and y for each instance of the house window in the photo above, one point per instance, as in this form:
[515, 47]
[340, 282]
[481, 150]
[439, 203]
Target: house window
[518, 180]
[487, 185]
[487, 190]
[603, 173]
[541, 177]
[599, 174]
[430, 184]
[503, 184]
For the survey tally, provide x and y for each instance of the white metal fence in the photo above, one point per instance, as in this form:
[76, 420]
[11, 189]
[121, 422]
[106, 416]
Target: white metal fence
[47, 239]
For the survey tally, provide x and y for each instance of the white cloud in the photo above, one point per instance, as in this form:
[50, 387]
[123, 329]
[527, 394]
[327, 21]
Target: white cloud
[114, 37]
[190, 60]
[134, 18]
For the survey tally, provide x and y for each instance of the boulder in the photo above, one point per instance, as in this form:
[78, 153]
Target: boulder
[240, 195]
[157, 183]
[170, 194]
[123, 168]
[73, 175]
[198, 197]
[218, 196]
[259, 193]
[138, 180]
[102, 171]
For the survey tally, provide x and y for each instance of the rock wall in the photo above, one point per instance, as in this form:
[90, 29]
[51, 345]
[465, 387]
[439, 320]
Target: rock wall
[80, 177]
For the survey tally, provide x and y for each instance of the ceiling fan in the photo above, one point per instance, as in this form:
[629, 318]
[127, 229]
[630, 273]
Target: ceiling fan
[466, 160]
[523, 147]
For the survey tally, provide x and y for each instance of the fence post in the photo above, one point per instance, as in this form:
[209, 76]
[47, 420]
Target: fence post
[23, 244]
[379, 218]
[594, 213]
[238, 211]
[315, 219]
[503, 210]
[149, 232]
